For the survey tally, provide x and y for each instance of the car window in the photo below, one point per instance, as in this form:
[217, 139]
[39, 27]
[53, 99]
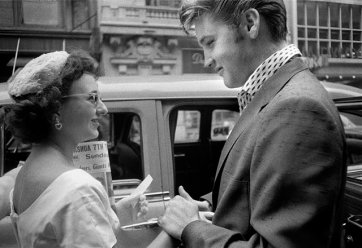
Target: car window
[135, 130]
[125, 149]
[188, 126]
[223, 122]
[198, 136]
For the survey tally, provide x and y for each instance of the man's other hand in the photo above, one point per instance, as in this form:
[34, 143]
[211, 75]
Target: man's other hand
[181, 211]
[202, 205]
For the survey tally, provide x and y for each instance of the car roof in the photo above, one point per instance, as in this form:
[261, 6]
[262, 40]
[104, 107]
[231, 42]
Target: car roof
[165, 87]
[203, 86]
[338, 91]
[188, 86]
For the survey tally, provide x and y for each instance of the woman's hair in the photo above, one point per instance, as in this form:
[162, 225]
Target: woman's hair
[30, 118]
[230, 12]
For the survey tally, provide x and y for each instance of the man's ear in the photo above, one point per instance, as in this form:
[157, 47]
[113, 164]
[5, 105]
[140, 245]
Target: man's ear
[251, 20]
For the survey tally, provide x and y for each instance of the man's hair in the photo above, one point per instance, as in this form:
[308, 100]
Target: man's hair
[230, 12]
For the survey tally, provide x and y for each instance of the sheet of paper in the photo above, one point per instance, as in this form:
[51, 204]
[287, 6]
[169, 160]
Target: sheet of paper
[141, 188]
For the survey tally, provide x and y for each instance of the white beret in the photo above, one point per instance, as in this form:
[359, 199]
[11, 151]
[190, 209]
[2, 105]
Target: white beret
[37, 74]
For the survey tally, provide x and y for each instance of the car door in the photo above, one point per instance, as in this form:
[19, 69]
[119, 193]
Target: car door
[134, 148]
[350, 110]
[198, 129]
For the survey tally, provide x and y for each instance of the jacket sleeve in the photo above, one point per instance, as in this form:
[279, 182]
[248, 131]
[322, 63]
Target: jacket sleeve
[296, 180]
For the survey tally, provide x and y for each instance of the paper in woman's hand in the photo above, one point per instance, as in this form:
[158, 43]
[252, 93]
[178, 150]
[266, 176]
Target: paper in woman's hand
[141, 189]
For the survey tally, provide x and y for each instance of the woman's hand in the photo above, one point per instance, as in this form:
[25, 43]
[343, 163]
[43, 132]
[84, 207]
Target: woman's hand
[131, 208]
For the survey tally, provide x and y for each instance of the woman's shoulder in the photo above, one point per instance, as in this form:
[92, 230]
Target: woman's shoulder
[79, 178]
[79, 187]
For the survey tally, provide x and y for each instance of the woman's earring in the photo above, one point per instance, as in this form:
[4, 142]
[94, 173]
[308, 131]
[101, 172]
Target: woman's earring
[58, 125]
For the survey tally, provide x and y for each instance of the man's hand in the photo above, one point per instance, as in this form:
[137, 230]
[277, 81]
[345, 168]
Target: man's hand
[202, 205]
[180, 211]
[206, 216]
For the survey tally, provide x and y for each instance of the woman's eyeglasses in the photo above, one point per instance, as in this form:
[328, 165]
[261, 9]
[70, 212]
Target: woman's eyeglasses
[93, 97]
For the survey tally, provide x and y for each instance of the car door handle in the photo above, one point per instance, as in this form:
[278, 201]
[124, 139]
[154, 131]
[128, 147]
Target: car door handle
[180, 155]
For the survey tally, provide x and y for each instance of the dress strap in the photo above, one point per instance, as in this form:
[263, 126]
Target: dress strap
[14, 217]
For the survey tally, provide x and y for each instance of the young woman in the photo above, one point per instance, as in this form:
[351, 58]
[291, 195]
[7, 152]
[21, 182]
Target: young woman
[56, 106]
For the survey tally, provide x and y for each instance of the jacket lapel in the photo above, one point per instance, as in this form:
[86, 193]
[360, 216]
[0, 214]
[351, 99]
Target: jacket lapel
[267, 92]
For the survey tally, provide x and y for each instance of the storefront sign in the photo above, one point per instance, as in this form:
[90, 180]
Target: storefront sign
[193, 61]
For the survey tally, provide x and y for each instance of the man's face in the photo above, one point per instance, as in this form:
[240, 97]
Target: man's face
[230, 57]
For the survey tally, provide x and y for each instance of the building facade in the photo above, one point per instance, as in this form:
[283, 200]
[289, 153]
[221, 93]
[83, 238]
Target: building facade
[329, 35]
[144, 37]
[32, 27]
[141, 37]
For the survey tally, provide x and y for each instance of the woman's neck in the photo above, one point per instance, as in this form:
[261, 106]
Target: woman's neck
[58, 151]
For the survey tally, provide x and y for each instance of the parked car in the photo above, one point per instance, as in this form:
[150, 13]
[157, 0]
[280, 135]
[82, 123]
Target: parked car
[173, 128]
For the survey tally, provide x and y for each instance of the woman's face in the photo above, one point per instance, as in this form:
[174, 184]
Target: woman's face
[81, 111]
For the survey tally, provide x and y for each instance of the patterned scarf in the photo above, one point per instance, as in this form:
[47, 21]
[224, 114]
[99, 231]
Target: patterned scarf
[264, 72]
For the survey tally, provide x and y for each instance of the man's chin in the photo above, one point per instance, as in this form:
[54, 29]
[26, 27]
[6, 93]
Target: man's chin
[229, 84]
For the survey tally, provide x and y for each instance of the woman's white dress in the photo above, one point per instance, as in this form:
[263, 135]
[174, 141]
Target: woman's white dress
[73, 211]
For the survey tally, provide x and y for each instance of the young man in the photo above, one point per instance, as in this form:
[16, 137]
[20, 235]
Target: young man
[281, 173]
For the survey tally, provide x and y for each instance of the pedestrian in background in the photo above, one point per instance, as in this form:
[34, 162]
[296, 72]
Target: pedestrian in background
[281, 174]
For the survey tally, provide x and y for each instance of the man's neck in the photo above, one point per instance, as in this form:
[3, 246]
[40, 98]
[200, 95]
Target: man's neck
[267, 50]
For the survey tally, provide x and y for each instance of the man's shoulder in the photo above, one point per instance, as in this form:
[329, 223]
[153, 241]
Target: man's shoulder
[303, 89]
[305, 83]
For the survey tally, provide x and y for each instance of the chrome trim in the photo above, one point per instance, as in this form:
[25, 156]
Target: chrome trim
[151, 197]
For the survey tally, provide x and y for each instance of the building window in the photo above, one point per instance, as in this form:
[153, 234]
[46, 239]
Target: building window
[48, 14]
[166, 3]
[6, 13]
[332, 29]
[42, 12]
[80, 15]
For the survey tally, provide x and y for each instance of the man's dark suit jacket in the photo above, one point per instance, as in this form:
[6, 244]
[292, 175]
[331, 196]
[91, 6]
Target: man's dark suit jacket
[281, 174]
